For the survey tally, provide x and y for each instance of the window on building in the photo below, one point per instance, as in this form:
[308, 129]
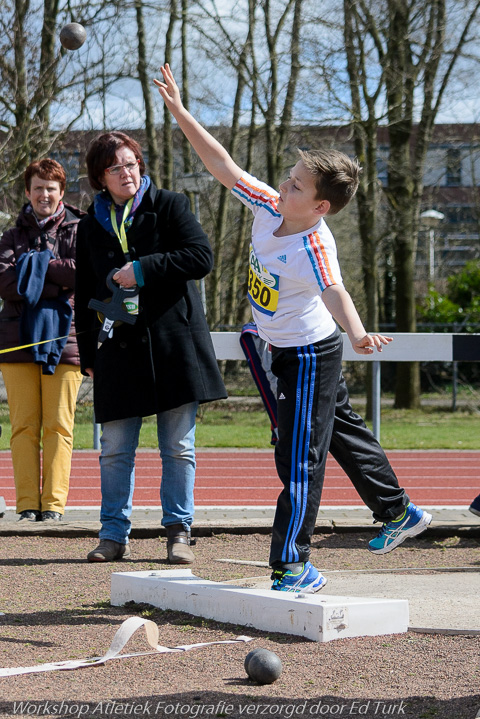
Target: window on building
[71, 165]
[454, 168]
[382, 170]
[460, 214]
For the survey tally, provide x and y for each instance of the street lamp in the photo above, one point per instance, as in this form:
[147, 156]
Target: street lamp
[431, 219]
[196, 182]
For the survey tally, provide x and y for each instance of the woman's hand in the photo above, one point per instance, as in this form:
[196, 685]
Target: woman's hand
[125, 277]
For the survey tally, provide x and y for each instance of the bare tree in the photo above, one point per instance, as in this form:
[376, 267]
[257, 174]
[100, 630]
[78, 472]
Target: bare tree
[146, 84]
[365, 96]
[167, 118]
[273, 32]
[38, 75]
[237, 308]
[186, 149]
[365, 93]
[417, 61]
[278, 121]
[223, 269]
[415, 44]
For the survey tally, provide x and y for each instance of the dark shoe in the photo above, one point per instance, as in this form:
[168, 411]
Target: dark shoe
[52, 516]
[178, 545]
[32, 514]
[475, 506]
[109, 551]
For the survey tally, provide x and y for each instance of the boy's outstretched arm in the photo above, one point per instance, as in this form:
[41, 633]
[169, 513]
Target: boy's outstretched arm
[340, 305]
[214, 156]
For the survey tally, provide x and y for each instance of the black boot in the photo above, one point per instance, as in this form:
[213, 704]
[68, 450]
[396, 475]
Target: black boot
[178, 545]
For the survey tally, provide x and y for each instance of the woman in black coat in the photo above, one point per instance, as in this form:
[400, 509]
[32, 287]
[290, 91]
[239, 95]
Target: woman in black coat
[164, 363]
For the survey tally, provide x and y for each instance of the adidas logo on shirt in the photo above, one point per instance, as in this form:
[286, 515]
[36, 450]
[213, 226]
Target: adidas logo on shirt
[282, 396]
[282, 258]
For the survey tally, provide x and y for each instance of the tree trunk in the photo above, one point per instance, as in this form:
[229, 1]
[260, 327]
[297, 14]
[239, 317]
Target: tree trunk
[186, 147]
[365, 127]
[21, 130]
[407, 391]
[167, 173]
[145, 82]
[47, 70]
[274, 149]
[237, 305]
[366, 147]
[221, 231]
[400, 81]
[283, 130]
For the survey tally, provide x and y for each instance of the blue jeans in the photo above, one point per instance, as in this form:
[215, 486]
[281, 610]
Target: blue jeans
[176, 441]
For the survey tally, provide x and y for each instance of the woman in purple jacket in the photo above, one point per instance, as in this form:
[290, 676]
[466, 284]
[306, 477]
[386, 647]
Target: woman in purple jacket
[37, 273]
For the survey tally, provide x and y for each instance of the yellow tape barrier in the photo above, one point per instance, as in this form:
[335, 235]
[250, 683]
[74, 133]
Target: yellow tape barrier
[33, 344]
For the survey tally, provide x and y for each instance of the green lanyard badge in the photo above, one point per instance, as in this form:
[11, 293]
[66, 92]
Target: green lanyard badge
[131, 303]
[120, 232]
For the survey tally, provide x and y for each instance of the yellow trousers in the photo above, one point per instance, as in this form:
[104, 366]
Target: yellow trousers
[42, 414]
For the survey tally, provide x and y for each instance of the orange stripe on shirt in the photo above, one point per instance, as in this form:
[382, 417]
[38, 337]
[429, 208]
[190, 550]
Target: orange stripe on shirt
[260, 193]
[322, 258]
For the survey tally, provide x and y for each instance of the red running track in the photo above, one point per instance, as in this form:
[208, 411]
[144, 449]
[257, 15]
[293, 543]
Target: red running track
[248, 478]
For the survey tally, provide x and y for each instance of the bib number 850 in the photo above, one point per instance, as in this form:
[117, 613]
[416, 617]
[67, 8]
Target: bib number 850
[260, 292]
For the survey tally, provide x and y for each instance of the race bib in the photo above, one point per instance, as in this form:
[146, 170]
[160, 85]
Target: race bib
[262, 286]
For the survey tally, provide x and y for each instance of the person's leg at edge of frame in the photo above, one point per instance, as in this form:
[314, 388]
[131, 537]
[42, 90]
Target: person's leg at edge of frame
[475, 506]
[176, 441]
[119, 442]
[22, 383]
[307, 381]
[59, 398]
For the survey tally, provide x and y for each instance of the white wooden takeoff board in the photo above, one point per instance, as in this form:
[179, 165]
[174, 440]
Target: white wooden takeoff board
[320, 617]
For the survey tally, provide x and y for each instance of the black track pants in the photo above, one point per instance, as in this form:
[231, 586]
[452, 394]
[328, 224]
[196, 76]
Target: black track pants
[364, 462]
[306, 395]
[314, 417]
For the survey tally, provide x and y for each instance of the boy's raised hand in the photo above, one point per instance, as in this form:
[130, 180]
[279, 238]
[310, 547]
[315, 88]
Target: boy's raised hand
[168, 89]
[213, 155]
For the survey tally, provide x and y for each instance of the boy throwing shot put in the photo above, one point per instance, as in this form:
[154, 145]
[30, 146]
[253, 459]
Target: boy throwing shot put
[296, 291]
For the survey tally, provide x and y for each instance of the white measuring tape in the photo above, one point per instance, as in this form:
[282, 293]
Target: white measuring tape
[123, 634]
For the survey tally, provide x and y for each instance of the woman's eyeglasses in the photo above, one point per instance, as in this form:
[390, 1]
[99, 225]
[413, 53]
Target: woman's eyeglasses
[116, 169]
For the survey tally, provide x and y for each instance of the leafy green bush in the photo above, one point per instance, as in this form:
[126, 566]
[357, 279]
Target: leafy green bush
[459, 307]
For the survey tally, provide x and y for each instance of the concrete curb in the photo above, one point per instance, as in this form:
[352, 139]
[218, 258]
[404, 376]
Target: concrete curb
[142, 529]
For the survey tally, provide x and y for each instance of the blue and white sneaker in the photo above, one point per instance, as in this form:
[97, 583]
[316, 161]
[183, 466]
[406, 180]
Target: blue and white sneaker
[412, 522]
[475, 506]
[308, 580]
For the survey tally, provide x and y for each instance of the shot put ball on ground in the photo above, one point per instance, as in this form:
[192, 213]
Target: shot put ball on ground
[263, 666]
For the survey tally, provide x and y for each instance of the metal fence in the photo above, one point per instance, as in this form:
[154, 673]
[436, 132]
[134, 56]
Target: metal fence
[418, 347]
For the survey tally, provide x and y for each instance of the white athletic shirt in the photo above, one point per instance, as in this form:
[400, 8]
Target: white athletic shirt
[287, 275]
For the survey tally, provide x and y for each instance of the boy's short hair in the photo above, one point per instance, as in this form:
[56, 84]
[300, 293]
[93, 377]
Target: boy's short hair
[46, 169]
[335, 174]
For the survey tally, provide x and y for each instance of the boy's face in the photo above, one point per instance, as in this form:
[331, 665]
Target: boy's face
[298, 201]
